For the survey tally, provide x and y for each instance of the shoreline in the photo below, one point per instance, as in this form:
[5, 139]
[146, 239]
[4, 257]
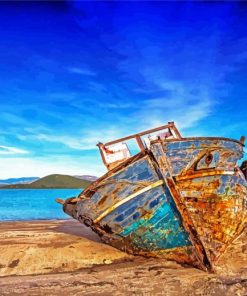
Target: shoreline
[64, 257]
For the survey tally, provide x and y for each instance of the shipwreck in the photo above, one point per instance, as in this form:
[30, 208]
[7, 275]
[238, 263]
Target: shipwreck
[183, 199]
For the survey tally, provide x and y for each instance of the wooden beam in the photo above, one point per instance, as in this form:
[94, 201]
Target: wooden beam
[140, 143]
[169, 125]
[173, 126]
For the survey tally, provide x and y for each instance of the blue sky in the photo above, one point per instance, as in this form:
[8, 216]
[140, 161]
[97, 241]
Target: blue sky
[75, 73]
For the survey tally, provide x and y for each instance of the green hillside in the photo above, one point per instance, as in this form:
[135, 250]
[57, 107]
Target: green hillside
[53, 181]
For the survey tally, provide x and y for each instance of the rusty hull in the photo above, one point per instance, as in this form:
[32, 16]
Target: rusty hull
[211, 190]
[184, 199]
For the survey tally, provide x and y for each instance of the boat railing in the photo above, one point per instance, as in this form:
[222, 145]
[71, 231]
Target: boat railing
[105, 148]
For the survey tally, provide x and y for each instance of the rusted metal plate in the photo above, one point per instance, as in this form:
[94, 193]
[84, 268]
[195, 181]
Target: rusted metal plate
[212, 190]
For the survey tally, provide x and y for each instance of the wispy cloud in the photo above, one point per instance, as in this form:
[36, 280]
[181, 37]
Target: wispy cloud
[87, 140]
[6, 150]
[117, 105]
[180, 103]
[82, 71]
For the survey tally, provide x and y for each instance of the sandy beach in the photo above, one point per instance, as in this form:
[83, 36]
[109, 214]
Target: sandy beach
[67, 258]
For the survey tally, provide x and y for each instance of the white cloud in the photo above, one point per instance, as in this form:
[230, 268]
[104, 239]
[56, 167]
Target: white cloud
[5, 150]
[180, 105]
[26, 167]
[86, 141]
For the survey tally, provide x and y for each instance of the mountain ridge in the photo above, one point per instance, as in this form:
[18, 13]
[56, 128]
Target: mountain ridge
[20, 180]
[51, 181]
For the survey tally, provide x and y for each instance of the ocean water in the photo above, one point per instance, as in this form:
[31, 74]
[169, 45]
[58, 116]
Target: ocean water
[33, 204]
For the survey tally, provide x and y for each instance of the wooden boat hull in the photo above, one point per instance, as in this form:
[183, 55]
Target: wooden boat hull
[183, 200]
[217, 207]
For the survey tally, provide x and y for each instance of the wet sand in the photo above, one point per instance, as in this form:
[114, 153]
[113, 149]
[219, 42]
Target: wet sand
[67, 258]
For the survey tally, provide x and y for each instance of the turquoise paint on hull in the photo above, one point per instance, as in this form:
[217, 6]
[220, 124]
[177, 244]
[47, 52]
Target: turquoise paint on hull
[162, 231]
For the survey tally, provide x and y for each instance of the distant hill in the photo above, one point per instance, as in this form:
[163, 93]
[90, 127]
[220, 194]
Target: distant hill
[53, 181]
[18, 180]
